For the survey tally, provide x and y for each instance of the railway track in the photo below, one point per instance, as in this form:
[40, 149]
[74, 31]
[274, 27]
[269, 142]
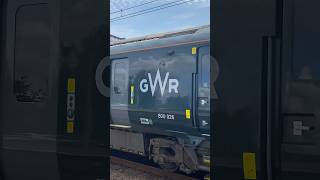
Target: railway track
[149, 169]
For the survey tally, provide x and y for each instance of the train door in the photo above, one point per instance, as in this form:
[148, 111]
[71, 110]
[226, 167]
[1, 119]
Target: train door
[40, 51]
[28, 90]
[203, 91]
[300, 117]
[119, 92]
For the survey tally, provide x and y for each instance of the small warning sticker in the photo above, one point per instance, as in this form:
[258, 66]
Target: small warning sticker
[70, 127]
[188, 114]
[194, 50]
[71, 85]
[249, 165]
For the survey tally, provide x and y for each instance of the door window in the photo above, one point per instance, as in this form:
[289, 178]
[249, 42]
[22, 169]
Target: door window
[204, 79]
[32, 53]
[120, 78]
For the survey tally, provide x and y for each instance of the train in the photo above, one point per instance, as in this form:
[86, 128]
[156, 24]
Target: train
[266, 124]
[48, 90]
[57, 94]
[160, 98]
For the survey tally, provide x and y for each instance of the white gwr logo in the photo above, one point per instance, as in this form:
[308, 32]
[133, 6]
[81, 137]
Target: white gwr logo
[173, 84]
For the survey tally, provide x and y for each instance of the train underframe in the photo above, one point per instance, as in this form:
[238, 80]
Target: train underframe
[170, 153]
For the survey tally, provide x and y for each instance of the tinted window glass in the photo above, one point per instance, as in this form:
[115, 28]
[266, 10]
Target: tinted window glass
[120, 82]
[120, 77]
[205, 71]
[306, 40]
[32, 53]
[204, 79]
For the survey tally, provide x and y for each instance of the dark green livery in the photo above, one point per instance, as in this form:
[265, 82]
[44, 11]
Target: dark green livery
[160, 88]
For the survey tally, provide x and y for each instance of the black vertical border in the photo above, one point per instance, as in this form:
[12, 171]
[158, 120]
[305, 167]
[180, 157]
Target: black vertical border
[211, 103]
[107, 27]
[2, 20]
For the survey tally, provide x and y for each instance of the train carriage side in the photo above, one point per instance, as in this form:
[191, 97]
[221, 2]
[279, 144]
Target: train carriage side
[162, 90]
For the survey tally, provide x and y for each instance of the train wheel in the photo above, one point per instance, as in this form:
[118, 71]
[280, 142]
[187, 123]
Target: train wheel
[164, 153]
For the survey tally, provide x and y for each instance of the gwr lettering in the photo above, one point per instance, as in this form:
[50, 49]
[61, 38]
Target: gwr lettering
[143, 86]
[173, 84]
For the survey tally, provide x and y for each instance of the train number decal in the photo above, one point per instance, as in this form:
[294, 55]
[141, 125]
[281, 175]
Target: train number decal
[165, 116]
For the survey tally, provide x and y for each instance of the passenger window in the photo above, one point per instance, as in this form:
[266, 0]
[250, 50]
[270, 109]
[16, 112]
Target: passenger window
[305, 42]
[120, 78]
[32, 53]
[204, 76]
[205, 71]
